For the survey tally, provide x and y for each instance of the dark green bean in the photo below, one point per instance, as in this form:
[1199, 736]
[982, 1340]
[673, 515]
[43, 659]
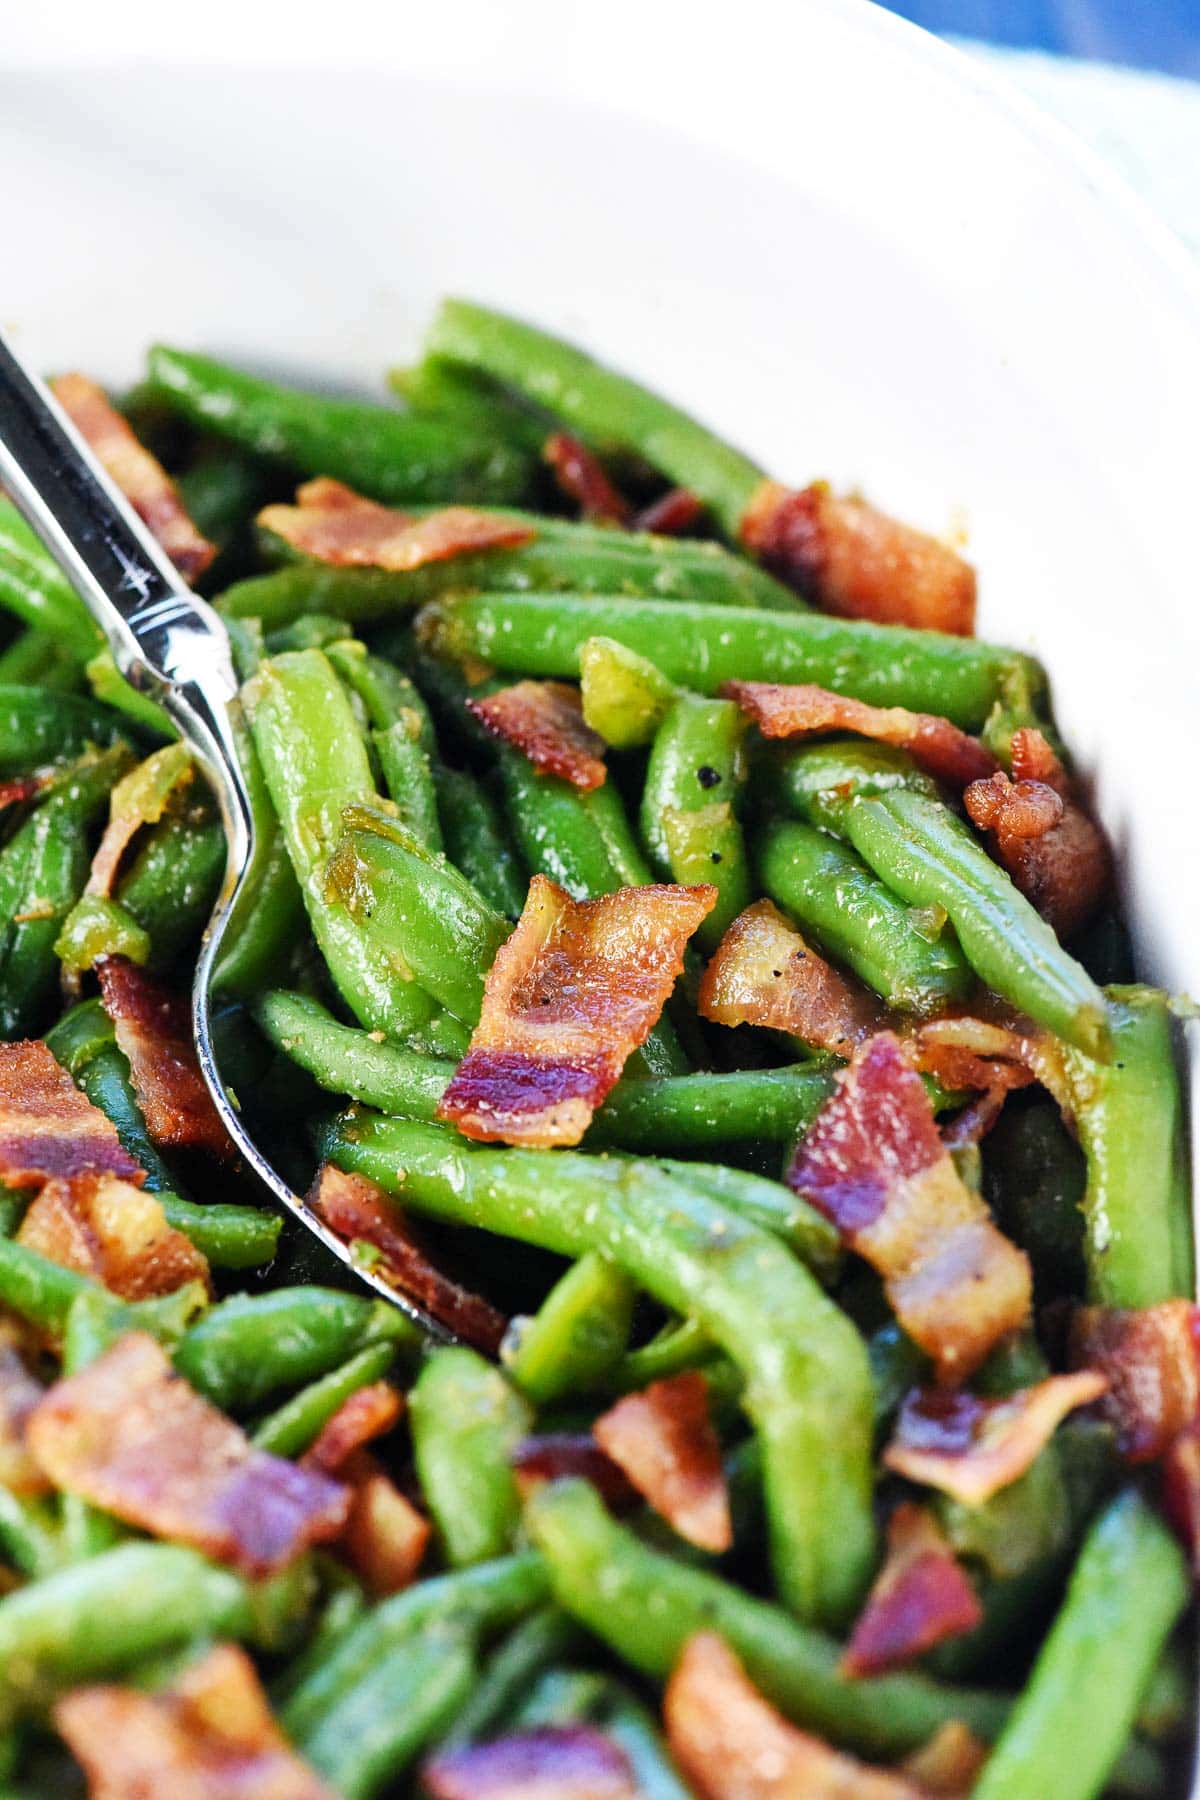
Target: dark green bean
[476, 841]
[291, 1428]
[171, 884]
[32, 586]
[39, 727]
[504, 1681]
[577, 1335]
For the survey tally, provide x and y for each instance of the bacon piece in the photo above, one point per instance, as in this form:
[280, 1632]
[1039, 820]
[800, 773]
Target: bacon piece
[874, 1164]
[366, 1414]
[1055, 852]
[334, 525]
[971, 1448]
[947, 753]
[360, 1212]
[949, 1764]
[663, 1439]
[20, 1393]
[114, 1232]
[557, 1455]
[553, 1762]
[576, 989]
[48, 1128]
[210, 1735]
[1150, 1358]
[857, 562]
[1181, 1492]
[385, 1537]
[154, 1029]
[764, 973]
[139, 475]
[139, 798]
[582, 478]
[20, 789]
[672, 515]
[132, 1437]
[544, 719]
[920, 1598]
[730, 1744]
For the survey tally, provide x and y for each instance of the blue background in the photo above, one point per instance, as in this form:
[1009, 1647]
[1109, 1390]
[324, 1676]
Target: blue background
[1149, 34]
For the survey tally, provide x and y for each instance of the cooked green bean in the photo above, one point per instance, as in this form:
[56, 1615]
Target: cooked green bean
[578, 1334]
[476, 842]
[689, 819]
[530, 1647]
[466, 1421]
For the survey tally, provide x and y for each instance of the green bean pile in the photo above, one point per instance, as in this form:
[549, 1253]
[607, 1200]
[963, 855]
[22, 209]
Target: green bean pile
[401, 837]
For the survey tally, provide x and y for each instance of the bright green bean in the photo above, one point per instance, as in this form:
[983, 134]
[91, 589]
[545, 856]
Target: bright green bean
[476, 841]
[291, 1428]
[688, 817]
[466, 1421]
[577, 1335]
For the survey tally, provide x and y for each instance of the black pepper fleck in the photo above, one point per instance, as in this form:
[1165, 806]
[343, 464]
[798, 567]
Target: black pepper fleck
[707, 776]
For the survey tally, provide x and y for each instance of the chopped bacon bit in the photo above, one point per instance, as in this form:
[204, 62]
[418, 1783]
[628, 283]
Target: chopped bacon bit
[368, 1413]
[963, 1051]
[971, 1448]
[857, 562]
[360, 1212]
[663, 1438]
[210, 1735]
[132, 1437]
[139, 475]
[139, 798]
[874, 1164]
[947, 753]
[544, 719]
[48, 1128]
[576, 989]
[920, 1598]
[672, 515]
[385, 1537]
[1181, 1492]
[1150, 1357]
[1055, 852]
[730, 1744]
[582, 478]
[764, 973]
[20, 789]
[20, 1393]
[154, 1029]
[948, 1765]
[114, 1232]
[556, 1455]
[334, 525]
[553, 1762]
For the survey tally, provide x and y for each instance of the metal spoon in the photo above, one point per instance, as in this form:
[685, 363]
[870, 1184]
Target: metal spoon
[168, 642]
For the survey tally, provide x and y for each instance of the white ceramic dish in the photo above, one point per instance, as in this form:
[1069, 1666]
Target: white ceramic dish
[837, 240]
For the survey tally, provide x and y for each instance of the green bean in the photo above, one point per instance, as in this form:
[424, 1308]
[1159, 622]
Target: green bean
[231, 1237]
[1168, 1699]
[689, 822]
[681, 1344]
[488, 1597]
[1129, 1117]
[415, 908]
[292, 1427]
[391, 455]
[625, 698]
[401, 732]
[466, 1421]
[101, 1069]
[436, 386]
[403, 1703]
[92, 1327]
[476, 842]
[12, 1209]
[700, 645]
[171, 884]
[534, 1643]
[896, 1366]
[856, 918]
[341, 1614]
[1034, 1177]
[930, 858]
[772, 1207]
[222, 490]
[250, 1346]
[1075, 1712]
[36, 657]
[646, 1606]
[815, 780]
[578, 1334]
[39, 727]
[597, 402]
[138, 709]
[802, 1360]
[32, 586]
[96, 927]
[31, 1539]
[315, 764]
[80, 1035]
[564, 1696]
[350, 1061]
[268, 908]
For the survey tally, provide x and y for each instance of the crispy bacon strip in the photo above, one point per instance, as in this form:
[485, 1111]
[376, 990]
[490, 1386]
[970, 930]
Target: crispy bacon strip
[948, 1765]
[20, 1393]
[114, 1232]
[920, 1598]
[1181, 1492]
[1055, 852]
[663, 1439]
[554, 1762]
[874, 1164]
[1150, 1358]
[947, 753]
[334, 525]
[154, 1029]
[764, 973]
[672, 515]
[964, 1051]
[132, 1437]
[582, 478]
[368, 1413]
[575, 990]
[544, 720]
[48, 1128]
[857, 562]
[385, 1537]
[558, 1455]
[139, 475]
[359, 1211]
[971, 1448]
[210, 1735]
[731, 1744]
